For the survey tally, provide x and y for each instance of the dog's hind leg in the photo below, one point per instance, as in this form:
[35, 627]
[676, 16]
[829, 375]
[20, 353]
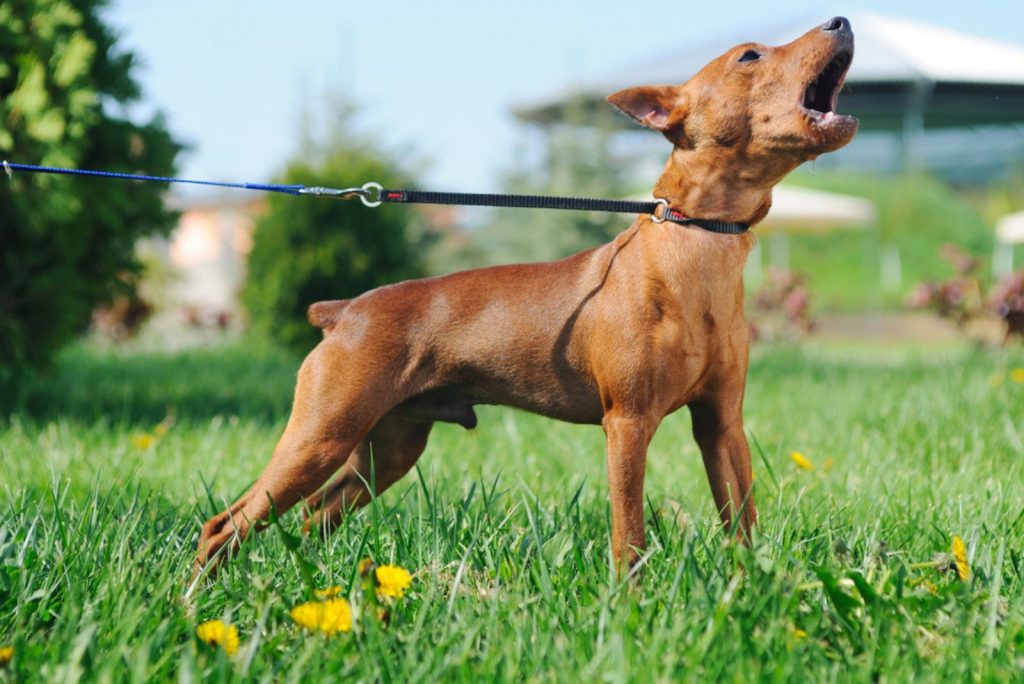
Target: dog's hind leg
[327, 423]
[387, 453]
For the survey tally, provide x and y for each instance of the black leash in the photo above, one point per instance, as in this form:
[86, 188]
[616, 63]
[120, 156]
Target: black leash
[658, 209]
[373, 195]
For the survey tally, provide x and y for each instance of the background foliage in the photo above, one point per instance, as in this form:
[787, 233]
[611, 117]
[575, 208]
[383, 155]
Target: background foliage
[309, 250]
[66, 244]
[569, 159]
[916, 214]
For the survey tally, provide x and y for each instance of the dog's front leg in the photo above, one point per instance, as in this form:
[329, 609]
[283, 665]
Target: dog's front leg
[627, 439]
[718, 429]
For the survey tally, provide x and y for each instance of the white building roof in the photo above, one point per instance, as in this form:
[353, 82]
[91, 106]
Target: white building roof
[888, 49]
[1010, 228]
[802, 210]
[891, 49]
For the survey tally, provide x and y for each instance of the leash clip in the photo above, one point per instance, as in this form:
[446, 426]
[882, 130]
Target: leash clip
[7, 169]
[368, 194]
[663, 205]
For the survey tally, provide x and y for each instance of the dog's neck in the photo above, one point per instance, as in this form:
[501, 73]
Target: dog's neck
[704, 187]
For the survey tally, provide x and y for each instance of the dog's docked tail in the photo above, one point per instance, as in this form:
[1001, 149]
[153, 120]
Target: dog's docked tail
[325, 315]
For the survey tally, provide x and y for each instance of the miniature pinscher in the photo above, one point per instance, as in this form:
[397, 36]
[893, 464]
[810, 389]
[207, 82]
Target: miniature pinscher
[620, 335]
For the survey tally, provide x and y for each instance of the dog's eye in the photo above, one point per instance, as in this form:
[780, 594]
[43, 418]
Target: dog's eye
[750, 56]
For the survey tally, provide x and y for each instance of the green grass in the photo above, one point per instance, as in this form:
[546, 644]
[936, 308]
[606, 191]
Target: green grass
[506, 531]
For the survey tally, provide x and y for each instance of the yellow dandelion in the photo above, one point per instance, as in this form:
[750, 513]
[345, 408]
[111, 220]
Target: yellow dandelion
[6, 653]
[364, 566]
[143, 441]
[1017, 375]
[337, 617]
[963, 568]
[995, 380]
[801, 461]
[307, 615]
[328, 593]
[799, 634]
[392, 581]
[330, 617]
[217, 633]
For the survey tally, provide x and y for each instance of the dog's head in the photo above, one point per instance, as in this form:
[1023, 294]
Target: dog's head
[764, 110]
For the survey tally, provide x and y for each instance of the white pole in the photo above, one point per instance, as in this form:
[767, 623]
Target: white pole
[1002, 259]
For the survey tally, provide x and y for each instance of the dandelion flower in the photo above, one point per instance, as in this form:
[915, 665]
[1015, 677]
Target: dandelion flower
[217, 633]
[995, 380]
[330, 617]
[799, 634]
[308, 615]
[143, 441]
[1017, 375]
[328, 593]
[392, 581]
[337, 617]
[963, 568]
[801, 461]
[6, 653]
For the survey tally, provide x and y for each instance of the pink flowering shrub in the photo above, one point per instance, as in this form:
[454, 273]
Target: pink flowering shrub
[1007, 300]
[782, 306]
[962, 299]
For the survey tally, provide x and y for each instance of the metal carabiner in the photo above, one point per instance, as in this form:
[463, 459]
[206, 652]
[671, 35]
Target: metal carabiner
[368, 194]
[333, 193]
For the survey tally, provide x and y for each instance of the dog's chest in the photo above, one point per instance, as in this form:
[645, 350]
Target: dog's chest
[694, 329]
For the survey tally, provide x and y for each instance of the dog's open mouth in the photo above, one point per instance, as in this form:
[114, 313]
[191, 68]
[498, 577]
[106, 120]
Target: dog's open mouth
[819, 100]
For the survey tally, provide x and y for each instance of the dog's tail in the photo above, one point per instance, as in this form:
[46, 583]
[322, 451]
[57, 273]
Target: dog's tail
[325, 315]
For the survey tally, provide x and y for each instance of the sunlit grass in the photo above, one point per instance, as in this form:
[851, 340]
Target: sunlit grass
[108, 468]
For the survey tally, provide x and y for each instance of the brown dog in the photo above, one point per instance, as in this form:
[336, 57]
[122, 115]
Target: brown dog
[621, 335]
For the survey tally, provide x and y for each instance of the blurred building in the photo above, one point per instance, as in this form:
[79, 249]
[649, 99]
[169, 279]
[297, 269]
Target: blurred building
[197, 272]
[927, 97]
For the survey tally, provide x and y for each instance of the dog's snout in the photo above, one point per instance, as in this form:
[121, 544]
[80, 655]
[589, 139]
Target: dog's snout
[836, 24]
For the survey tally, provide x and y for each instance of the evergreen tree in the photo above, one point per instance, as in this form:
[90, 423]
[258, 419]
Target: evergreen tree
[306, 250]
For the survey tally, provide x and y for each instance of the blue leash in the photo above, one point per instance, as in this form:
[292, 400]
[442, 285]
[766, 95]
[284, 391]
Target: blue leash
[346, 193]
[9, 166]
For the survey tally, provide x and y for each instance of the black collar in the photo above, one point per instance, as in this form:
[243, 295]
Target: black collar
[712, 225]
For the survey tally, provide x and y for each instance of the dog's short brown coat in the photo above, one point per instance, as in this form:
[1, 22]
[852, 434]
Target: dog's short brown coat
[620, 335]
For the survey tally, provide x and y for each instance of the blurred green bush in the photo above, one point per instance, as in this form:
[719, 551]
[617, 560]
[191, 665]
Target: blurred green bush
[307, 249]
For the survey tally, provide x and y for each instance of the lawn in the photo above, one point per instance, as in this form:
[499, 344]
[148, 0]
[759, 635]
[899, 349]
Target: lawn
[109, 465]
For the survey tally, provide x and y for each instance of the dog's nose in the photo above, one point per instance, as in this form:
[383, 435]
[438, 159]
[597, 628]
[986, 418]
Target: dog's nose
[836, 24]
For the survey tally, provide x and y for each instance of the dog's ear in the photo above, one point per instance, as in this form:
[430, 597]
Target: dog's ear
[662, 108]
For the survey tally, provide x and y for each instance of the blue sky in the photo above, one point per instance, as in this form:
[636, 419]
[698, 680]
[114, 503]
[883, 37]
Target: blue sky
[434, 80]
